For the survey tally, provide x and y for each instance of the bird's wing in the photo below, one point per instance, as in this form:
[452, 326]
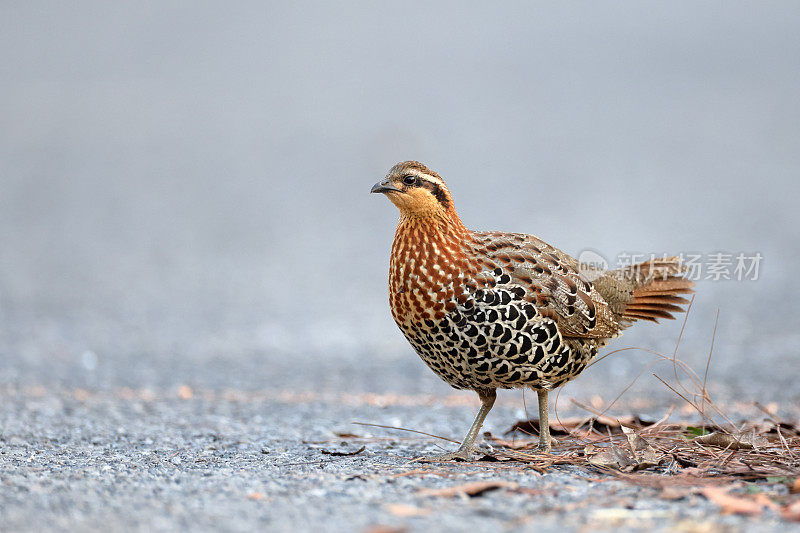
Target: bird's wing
[550, 279]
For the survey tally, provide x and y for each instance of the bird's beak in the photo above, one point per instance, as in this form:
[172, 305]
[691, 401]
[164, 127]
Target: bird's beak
[383, 186]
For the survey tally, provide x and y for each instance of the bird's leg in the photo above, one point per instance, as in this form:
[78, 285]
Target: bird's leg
[464, 451]
[544, 422]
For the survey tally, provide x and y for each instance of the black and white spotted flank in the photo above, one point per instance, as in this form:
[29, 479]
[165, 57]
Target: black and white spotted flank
[498, 339]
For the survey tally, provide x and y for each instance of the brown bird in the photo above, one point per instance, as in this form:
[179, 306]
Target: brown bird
[489, 310]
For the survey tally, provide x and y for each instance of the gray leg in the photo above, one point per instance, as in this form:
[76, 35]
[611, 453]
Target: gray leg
[464, 451]
[544, 422]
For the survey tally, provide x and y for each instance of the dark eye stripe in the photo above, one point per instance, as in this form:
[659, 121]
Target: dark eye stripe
[438, 192]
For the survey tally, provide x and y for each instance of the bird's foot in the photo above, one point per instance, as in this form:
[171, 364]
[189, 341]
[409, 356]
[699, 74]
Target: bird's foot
[544, 447]
[461, 454]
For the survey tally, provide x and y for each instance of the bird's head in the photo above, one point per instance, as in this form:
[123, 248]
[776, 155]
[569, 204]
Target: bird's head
[417, 191]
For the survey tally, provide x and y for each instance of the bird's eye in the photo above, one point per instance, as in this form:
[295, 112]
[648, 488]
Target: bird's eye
[409, 180]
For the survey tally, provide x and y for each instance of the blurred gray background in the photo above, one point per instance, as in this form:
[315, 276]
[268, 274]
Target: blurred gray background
[184, 185]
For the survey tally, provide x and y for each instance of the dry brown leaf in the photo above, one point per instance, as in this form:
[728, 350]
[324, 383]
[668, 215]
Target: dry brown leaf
[635, 441]
[731, 504]
[614, 457]
[344, 435]
[468, 489]
[645, 454]
[787, 429]
[344, 454]
[403, 510]
[791, 512]
[744, 441]
[511, 445]
[795, 489]
[256, 496]
[566, 426]
[770, 428]
[531, 427]
[638, 455]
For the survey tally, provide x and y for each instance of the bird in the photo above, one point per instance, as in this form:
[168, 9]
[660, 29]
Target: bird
[488, 310]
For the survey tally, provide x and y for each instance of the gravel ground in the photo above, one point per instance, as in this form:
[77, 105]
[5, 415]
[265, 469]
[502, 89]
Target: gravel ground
[235, 461]
[193, 274]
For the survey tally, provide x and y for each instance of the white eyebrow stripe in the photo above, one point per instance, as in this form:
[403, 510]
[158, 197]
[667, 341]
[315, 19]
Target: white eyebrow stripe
[421, 174]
